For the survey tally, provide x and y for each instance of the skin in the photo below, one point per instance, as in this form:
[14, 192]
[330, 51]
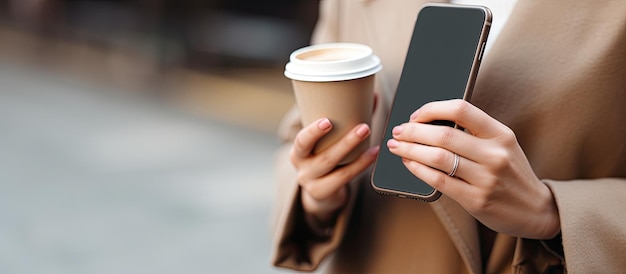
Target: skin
[494, 181]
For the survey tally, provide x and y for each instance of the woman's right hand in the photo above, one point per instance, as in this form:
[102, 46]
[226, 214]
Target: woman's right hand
[323, 182]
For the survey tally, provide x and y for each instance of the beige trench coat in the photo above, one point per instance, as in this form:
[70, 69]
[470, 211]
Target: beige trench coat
[557, 77]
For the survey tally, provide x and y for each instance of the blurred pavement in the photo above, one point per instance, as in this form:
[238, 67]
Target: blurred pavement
[98, 180]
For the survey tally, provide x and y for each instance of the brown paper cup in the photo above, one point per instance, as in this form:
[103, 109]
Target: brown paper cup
[335, 81]
[345, 103]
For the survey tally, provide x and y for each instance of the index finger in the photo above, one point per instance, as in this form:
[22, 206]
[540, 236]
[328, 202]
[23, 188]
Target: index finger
[461, 112]
[307, 137]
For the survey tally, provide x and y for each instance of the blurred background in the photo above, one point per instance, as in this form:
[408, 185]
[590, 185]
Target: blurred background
[138, 136]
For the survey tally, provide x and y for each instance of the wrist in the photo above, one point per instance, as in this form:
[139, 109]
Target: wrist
[550, 213]
[322, 229]
[324, 211]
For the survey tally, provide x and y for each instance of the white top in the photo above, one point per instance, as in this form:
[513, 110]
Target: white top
[500, 9]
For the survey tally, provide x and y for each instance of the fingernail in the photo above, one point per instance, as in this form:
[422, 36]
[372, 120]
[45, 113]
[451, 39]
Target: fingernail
[362, 130]
[392, 143]
[397, 130]
[324, 124]
[414, 115]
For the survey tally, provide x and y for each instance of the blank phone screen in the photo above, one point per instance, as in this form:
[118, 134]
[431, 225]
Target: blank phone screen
[438, 66]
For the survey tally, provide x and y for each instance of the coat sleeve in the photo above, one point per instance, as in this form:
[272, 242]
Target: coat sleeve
[593, 225]
[298, 244]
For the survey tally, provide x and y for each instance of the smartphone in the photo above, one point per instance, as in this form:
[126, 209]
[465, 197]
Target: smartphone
[442, 63]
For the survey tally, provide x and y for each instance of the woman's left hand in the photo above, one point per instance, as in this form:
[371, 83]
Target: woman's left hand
[493, 181]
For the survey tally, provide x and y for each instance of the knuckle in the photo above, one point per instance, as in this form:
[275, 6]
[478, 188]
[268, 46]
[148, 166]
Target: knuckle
[440, 157]
[303, 178]
[479, 204]
[439, 180]
[326, 160]
[485, 198]
[500, 159]
[482, 203]
[350, 172]
[348, 141]
[479, 201]
[490, 187]
[300, 140]
[508, 136]
[345, 174]
[446, 136]
[460, 107]
[315, 191]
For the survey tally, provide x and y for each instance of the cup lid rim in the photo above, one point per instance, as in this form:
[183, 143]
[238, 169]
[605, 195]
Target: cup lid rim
[335, 77]
[358, 66]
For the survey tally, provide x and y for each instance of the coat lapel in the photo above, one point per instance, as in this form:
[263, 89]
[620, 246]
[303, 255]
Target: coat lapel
[462, 229]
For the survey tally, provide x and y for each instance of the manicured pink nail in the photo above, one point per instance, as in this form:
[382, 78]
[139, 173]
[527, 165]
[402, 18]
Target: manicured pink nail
[414, 115]
[392, 143]
[324, 124]
[397, 130]
[362, 130]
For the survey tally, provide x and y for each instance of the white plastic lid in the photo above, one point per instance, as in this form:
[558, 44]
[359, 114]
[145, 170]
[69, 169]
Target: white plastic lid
[332, 62]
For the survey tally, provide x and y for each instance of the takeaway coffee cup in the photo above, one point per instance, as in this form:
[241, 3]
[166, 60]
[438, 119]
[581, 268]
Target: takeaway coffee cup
[336, 81]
